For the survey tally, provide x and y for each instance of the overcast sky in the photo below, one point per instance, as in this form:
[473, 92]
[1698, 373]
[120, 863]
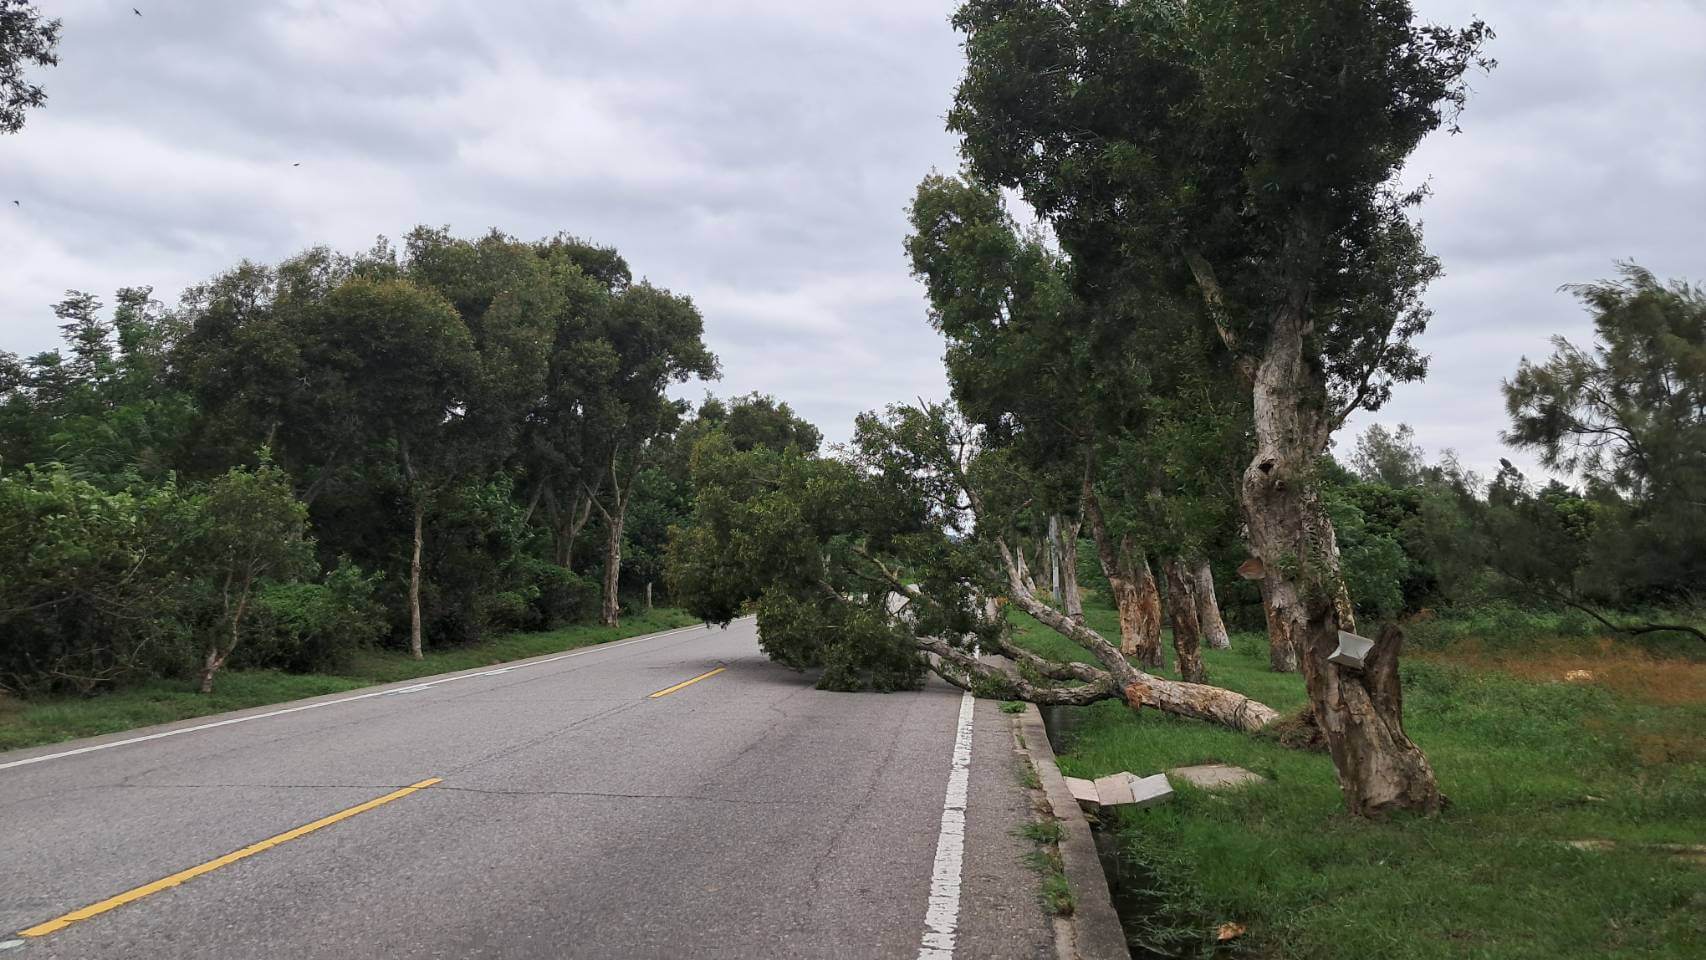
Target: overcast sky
[758, 155]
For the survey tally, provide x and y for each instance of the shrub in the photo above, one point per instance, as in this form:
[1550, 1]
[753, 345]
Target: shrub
[315, 627]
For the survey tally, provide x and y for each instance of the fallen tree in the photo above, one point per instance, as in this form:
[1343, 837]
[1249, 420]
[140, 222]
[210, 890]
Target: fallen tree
[916, 508]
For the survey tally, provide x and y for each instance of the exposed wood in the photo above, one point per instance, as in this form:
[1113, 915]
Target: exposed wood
[1182, 612]
[1208, 609]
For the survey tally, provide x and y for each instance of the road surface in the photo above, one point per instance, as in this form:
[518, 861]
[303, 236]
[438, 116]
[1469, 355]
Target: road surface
[589, 805]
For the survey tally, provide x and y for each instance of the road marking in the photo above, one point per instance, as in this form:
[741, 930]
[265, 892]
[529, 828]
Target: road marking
[594, 648]
[147, 889]
[686, 683]
[943, 916]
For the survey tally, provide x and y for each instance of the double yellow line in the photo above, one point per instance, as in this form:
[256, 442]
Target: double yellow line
[182, 876]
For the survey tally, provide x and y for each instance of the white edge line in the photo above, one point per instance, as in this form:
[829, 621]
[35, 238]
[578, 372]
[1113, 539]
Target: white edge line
[592, 648]
[942, 918]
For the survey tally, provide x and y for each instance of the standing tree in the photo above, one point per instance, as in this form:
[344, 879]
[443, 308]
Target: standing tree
[655, 339]
[25, 38]
[1629, 417]
[401, 369]
[1250, 147]
[251, 527]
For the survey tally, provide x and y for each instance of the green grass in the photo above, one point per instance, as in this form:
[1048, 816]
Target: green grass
[1526, 764]
[48, 720]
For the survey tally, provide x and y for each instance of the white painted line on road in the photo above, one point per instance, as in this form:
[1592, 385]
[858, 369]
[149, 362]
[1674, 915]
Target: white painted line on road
[331, 703]
[10, 944]
[942, 919]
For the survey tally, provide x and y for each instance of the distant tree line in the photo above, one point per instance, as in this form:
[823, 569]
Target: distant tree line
[411, 447]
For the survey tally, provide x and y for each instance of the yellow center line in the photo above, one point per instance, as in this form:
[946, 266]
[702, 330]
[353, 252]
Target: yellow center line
[686, 683]
[147, 889]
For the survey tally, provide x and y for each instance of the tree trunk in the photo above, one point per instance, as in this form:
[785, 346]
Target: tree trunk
[415, 582]
[1054, 559]
[612, 614]
[209, 667]
[1208, 609]
[1140, 633]
[1149, 617]
[1282, 648]
[648, 594]
[1066, 561]
[1359, 713]
[1187, 631]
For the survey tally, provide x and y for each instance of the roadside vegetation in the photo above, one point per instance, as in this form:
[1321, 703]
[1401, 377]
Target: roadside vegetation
[48, 719]
[1573, 829]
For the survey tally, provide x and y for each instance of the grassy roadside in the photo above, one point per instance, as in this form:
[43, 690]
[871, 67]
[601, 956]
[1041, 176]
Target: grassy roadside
[1529, 762]
[32, 722]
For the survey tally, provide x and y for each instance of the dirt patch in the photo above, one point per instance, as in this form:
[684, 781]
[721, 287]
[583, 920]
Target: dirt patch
[1619, 667]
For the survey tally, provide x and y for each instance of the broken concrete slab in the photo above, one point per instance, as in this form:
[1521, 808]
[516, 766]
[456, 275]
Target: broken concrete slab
[1150, 790]
[1084, 791]
[1114, 789]
[1216, 776]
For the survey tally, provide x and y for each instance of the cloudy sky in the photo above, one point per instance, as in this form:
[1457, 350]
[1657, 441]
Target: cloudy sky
[758, 154]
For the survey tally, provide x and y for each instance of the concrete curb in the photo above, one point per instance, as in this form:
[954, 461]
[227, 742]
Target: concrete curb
[1095, 931]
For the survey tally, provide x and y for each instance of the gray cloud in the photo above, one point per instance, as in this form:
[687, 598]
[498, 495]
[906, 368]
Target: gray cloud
[759, 155]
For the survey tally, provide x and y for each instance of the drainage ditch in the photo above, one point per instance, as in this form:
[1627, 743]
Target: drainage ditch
[1131, 885]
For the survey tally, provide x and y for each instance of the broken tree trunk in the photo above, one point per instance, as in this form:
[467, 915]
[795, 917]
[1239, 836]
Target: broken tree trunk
[1182, 611]
[1148, 616]
[1065, 549]
[1137, 688]
[1358, 712]
[1208, 609]
[1135, 598]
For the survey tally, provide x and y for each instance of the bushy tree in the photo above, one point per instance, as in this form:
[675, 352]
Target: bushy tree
[26, 38]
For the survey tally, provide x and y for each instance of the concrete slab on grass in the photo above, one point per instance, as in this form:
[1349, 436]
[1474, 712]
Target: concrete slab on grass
[1216, 776]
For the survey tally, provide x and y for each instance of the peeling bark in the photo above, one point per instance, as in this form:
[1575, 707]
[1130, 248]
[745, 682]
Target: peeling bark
[1187, 631]
[1359, 712]
[1148, 626]
[1282, 648]
[1208, 609]
[1065, 547]
[1136, 599]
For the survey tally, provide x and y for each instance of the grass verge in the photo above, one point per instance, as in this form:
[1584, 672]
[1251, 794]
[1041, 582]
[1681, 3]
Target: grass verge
[1529, 762]
[27, 723]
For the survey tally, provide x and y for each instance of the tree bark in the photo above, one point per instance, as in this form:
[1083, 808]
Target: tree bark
[1148, 626]
[1358, 712]
[1054, 558]
[1140, 623]
[612, 612]
[1187, 631]
[415, 582]
[1282, 647]
[209, 667]
[648, 594]
[1065, 546]
[1208, 609]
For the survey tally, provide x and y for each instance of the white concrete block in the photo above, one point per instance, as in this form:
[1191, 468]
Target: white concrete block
[1148, 791]
[1084, 791]
[1114, 789]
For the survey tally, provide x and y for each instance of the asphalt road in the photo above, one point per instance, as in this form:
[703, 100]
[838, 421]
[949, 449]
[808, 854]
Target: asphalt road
[575, 815]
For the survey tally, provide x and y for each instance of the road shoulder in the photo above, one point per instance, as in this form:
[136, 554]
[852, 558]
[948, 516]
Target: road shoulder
[1093, 932]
